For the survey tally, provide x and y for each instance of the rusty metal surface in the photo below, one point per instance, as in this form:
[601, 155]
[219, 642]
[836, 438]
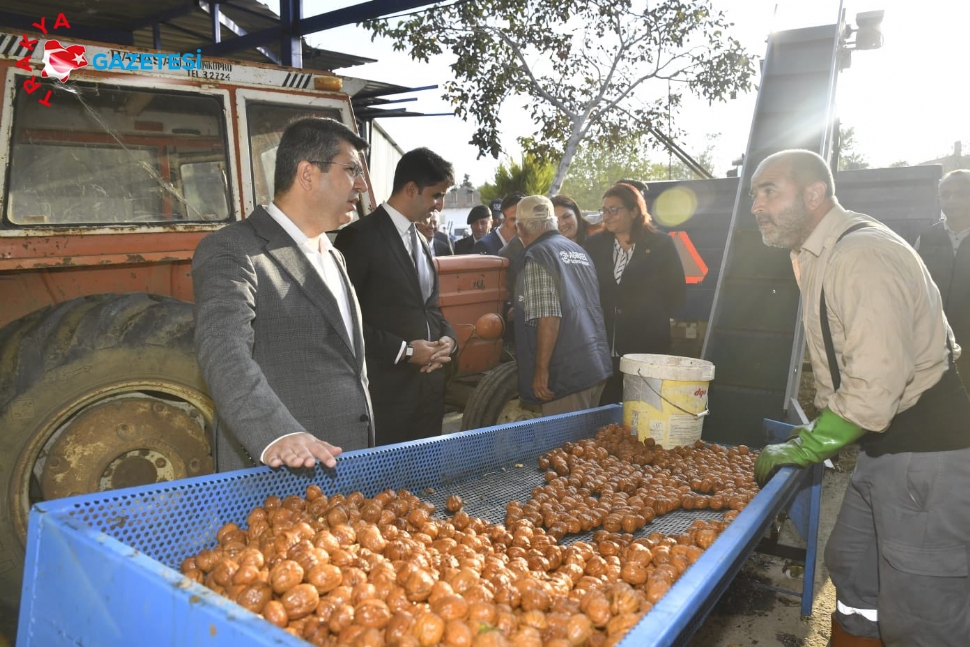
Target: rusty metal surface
[24, 292]
[123, 443]
[471, 286]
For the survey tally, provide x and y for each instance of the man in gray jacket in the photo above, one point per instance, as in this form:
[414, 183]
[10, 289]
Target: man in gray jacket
[278, 333]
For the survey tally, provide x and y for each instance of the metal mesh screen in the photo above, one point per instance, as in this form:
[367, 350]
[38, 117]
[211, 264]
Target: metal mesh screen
[173, 520]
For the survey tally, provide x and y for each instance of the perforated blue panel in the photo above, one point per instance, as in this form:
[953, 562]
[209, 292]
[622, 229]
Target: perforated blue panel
[171, 521]
[92, 578]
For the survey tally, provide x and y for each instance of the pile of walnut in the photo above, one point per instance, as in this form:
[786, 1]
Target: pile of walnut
[382, 571]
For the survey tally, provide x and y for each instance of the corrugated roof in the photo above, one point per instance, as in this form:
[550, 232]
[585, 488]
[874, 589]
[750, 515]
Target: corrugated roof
[179, 33]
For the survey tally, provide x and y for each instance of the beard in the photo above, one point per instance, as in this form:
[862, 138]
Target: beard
[787, 229]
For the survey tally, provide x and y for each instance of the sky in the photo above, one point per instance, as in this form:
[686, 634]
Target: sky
[907, 101]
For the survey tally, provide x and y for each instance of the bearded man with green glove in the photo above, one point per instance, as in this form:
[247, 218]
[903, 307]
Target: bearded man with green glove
[883, 359]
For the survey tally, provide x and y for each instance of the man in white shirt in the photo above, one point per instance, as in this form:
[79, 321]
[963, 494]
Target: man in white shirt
[438, 242]
[395, 277]
[278, 328]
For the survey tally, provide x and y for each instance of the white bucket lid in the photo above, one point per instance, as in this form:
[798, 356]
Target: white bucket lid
[668, 367]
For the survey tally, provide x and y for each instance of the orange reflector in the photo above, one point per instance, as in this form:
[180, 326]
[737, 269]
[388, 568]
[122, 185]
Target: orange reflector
[695, 269]
[330, 83]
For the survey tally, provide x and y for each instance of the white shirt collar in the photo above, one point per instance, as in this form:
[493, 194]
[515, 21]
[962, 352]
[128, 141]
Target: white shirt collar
[498, 232]
[317, 244]
[946, 225]
[401, 223]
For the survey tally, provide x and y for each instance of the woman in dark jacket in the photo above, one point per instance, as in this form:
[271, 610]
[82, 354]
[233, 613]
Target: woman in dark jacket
[572, 225]
[641, 281]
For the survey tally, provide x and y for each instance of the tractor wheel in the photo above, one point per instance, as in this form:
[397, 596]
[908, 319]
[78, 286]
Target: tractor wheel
[96, 393]
[496, 400]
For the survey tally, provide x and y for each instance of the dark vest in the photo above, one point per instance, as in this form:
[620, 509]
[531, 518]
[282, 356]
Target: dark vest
[952, 276]
[581, 357]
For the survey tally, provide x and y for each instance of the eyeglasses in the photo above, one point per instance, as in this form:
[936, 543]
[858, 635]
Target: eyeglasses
[356, 169]
[610, 211]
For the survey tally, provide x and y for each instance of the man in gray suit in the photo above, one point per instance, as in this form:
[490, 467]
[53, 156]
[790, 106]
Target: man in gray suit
[278, 328]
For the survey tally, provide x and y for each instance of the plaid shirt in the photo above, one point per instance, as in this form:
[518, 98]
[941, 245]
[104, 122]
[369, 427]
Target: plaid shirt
[541, 295]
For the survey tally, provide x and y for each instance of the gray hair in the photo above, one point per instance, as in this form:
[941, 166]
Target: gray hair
[537, 227]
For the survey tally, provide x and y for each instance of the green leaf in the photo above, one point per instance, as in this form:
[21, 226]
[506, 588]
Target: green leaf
[583, 66]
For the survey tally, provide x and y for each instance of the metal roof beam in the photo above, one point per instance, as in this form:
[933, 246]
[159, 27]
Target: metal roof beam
[190, 32]
[375, 101]
[232, 26]
[357, 13]
[382, 92]
[291, 45]
[163, 16]
[374, 114]
[216, 16]
[84, 32]
[252, 39]
[251, 12]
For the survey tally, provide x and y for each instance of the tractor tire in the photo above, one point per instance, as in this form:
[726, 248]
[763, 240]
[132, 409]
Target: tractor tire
[96, 393]
[495, 400]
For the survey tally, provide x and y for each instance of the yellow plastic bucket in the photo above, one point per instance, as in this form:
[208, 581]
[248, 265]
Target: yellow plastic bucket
[665, 397]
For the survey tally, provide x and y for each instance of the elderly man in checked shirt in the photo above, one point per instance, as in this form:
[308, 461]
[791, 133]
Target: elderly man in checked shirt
[560, 336]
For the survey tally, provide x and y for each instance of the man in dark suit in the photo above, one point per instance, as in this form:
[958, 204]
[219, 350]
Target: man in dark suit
[500, 236]
[438, 241]
[278, 330]
[946, 251]
[390, 265]
[442, 245]
[480, 221]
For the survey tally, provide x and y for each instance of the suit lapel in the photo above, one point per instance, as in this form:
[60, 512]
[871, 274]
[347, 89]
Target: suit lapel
[291, 258]
[393, 240]
[641, 254]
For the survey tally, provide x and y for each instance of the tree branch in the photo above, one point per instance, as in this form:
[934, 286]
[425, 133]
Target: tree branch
[524, 66]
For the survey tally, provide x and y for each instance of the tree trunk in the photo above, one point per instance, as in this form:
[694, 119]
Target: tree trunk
[572, 145]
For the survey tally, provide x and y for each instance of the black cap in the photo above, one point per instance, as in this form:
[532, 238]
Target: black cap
[477, 213]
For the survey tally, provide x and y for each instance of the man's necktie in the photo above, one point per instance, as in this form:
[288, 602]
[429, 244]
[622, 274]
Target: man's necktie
[421, 265]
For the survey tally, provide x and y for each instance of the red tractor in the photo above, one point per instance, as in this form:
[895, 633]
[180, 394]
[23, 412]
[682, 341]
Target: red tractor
[106, 193]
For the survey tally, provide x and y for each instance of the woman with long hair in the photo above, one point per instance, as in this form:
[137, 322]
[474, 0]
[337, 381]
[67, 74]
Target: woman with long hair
[572, 225]
[641, 280]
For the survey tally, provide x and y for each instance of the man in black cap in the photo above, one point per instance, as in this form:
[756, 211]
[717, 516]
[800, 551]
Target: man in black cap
[480, 220]
[501, 236]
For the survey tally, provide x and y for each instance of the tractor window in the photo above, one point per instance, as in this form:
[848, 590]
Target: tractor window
[266, 125]
[198, 178]
[109, 155]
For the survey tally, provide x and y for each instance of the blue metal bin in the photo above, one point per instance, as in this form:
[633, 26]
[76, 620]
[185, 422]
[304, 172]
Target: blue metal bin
[101, 569]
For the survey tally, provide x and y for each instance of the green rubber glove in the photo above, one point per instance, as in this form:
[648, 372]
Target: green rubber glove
[820, 439]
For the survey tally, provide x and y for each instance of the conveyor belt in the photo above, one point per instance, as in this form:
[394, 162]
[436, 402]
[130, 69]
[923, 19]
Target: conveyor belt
[109, 558]
[486, 496]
